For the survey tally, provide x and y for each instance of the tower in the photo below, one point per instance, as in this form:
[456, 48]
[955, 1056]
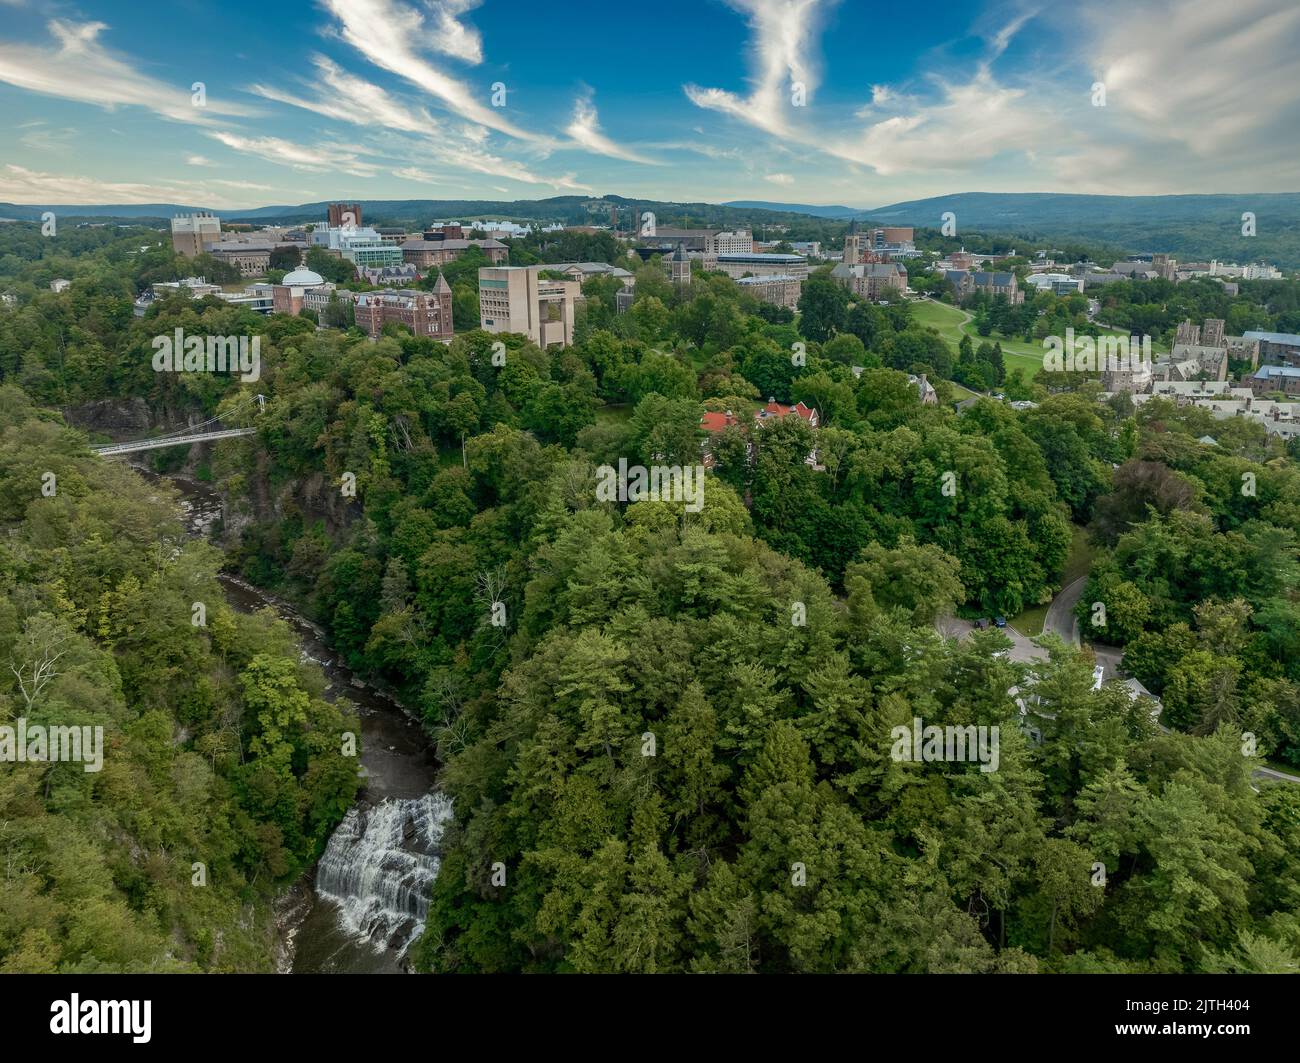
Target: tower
[852, 244]
[442, 295]
[679, 266]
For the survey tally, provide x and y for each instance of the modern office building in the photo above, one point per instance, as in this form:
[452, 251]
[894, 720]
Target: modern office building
[758, 265]
[190, 232]
[517, 299]
[781, 289]
[739, 242]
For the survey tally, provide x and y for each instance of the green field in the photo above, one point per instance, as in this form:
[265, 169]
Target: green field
[952, 323]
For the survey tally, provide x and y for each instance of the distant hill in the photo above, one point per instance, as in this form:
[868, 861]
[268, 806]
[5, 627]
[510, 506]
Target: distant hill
[1053, 210]
[798, 208]
[1192, 227]
[569, 210]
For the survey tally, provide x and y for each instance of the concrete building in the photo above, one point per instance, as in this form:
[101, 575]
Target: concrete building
[877, 245]
[517, 299]
[252, 260]
[360, 245]
[190, 232]
[1261, 272]
[757, 265]
[1056, 283]
[739, 242]
[701, 240]
[782, 289]
[424, 313]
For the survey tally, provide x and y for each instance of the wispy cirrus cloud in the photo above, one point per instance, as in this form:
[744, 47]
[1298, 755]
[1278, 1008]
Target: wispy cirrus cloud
[384, 31]
[348, 98]
[1199, 94]
[585, 132]
[452, 36]
[299, 156]
[785, 36]
[79, 67]
[19, 184]
[344, 97]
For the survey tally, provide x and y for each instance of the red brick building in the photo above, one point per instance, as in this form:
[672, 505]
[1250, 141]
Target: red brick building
[424, 313]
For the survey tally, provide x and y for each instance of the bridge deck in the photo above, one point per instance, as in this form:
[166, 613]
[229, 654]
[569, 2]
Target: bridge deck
[111, 450]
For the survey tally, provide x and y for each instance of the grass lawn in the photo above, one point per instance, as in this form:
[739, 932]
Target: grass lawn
[960, 393]
[951, 323]
[1077, 562]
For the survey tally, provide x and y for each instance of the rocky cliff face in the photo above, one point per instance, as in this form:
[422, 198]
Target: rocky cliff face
[124, 418]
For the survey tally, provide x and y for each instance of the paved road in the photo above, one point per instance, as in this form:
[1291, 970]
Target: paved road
[1061, 620]
[1060, 614]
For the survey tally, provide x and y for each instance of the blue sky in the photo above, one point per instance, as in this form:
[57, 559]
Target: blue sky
[811, 101]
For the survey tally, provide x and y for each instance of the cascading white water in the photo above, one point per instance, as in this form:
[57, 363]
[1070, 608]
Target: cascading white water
[379, 867]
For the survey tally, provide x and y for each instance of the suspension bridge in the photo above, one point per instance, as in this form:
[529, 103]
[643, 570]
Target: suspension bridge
[196, 433]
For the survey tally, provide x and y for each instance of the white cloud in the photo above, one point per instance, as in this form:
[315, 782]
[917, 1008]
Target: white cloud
[299, 156]
[349, 98]
[785, 33]
[19, 184]
[779, 178]
[40, 137]
[80, 68]
[969, 124]
[453, 37]
[1218, 78]
[585, 131]
[198, 160]
[1200, 97]
[383, 31]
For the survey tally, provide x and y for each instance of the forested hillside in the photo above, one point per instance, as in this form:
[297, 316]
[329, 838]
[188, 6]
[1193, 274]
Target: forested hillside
[674, 753]
[223, 771]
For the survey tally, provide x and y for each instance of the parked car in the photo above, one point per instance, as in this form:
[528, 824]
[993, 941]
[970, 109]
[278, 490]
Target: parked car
[1000, 621]
[981, 624]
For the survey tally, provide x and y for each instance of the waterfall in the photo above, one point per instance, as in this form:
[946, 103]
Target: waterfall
[379, 867]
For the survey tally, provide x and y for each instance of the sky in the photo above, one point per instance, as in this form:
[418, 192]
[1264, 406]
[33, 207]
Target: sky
[855, 102]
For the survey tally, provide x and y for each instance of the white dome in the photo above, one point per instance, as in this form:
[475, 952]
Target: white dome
[303, 278]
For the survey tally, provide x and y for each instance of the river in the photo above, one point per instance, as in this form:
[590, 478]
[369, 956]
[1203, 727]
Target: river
[366, 899]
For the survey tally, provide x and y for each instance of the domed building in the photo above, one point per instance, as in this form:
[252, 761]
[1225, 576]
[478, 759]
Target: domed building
[297, 289]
